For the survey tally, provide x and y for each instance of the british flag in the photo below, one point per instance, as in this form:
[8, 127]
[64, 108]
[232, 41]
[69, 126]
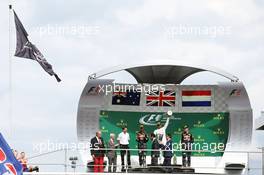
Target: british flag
[161, 98]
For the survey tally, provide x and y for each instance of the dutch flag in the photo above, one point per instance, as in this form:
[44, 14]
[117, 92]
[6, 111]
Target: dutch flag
[196, 98]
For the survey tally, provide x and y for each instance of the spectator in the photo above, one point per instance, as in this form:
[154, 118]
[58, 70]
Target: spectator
[23, 160]
[16, 154]
[98, 152]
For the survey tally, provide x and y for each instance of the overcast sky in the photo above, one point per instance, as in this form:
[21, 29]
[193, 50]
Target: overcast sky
[82, 37]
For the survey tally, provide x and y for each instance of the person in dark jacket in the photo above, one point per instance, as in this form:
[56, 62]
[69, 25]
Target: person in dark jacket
[155, 153]
[167, 153]
[97, 151]
[142, 139]
[186, 142]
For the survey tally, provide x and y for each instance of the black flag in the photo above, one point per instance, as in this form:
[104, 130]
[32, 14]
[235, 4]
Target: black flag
[26, 49]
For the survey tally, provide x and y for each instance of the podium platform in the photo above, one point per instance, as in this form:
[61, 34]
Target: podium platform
[161, 169]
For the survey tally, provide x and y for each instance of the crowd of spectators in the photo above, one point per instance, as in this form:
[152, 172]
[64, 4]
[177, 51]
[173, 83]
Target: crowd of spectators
[21, 157]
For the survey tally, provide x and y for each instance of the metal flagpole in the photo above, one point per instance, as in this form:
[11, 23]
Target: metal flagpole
[10, 112]
[262, 149]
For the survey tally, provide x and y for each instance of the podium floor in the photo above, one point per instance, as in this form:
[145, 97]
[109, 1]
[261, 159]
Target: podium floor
[174, 169]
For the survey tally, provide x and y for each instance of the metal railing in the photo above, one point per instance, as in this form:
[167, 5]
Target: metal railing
[65, 166]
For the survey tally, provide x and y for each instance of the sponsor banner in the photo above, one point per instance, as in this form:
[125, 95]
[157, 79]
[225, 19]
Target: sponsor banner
[210, 130]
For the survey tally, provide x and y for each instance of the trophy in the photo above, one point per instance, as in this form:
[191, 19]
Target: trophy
[169, 113]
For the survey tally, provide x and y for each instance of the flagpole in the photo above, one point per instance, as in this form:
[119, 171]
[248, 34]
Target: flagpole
[10, 110]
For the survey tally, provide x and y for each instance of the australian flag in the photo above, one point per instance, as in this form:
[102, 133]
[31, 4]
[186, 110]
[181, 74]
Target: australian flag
[26, 49]
[126, 98]
[9, 165]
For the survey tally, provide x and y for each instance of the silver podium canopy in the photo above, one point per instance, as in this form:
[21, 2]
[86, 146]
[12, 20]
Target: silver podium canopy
[162, 72]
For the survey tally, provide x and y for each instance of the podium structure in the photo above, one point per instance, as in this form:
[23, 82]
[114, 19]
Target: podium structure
[219, 116]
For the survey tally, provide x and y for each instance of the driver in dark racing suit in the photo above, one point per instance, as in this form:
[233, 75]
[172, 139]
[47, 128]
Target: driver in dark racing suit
[186, 142]
[142, 139]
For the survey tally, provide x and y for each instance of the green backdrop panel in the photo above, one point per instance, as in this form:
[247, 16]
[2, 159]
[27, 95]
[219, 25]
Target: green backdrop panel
[210, 130]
